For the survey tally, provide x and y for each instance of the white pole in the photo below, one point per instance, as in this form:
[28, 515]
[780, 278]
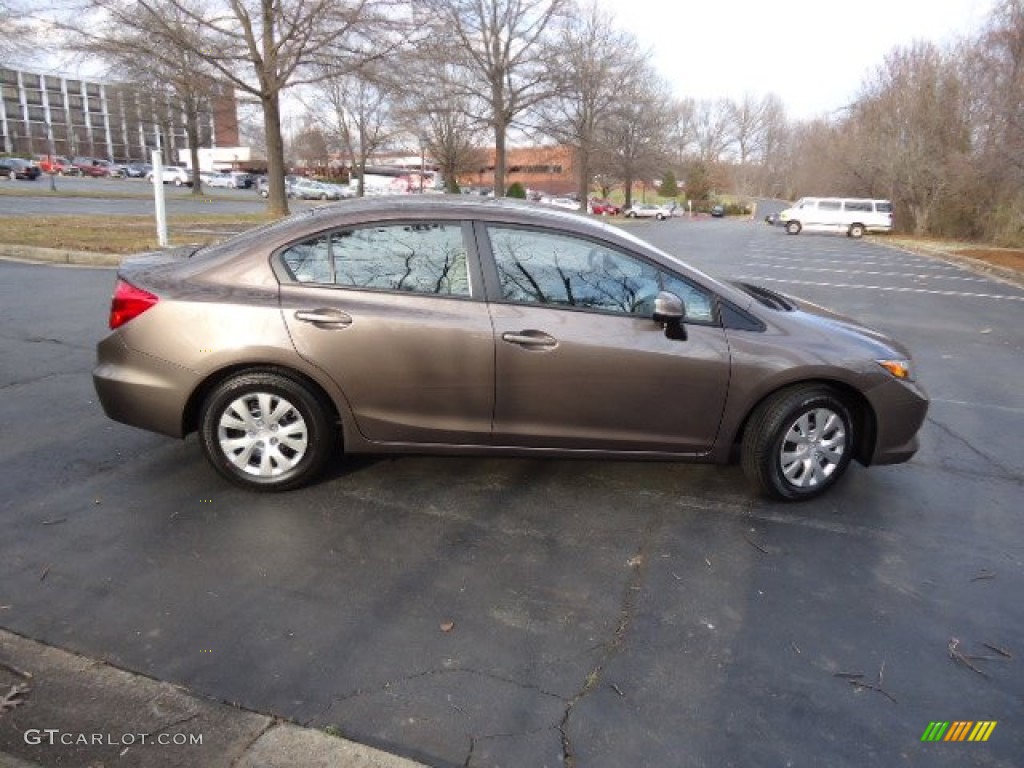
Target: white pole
[158, 198]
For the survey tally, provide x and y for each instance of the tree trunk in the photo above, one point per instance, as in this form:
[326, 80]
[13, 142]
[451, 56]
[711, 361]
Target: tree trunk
[499, 157]
[192, 129]
[583, 169]
[277, 201]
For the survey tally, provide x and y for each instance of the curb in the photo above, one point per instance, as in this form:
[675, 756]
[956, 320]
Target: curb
[59, 708]
[1004, 274]
[59, 256]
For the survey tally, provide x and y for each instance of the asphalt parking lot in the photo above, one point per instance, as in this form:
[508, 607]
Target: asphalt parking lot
[514, 612]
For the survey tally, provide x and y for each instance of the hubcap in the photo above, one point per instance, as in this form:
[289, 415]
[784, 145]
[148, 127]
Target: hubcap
[813, 448]
[262, 434]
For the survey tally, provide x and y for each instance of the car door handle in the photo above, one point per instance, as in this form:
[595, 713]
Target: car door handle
[531, 339]
[330, 317]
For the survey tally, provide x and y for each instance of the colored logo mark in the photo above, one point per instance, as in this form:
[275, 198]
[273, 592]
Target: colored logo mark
[960, 730]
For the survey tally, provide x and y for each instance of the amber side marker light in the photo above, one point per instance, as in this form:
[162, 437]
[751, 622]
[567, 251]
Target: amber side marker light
[128, 303]
[900, 369]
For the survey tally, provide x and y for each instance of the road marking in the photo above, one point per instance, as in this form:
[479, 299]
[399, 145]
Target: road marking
[893, 289]
[921, 264]
[990, 406]
[923, 276]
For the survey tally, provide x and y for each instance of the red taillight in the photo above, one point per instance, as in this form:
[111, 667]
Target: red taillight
[128, 303]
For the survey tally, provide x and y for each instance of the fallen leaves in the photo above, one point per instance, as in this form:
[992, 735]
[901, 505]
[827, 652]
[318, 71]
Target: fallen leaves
[854, 679]
[968, 659]
[14, 697]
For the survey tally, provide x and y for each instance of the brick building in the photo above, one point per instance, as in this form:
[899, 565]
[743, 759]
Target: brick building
[43, 113]
[547, 169]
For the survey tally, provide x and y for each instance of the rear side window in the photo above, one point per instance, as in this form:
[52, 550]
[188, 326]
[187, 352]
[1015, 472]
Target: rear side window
[419, 257]
[884, 206]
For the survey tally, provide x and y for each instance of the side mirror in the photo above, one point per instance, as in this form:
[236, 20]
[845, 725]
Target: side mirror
[670, 311]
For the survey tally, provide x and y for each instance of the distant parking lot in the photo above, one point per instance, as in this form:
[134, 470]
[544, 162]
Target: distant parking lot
[529, 612]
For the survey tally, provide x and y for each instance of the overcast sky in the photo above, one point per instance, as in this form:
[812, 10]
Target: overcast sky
[813, 54]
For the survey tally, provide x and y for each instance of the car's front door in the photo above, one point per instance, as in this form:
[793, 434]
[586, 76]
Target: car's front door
[581, 364]
[393, 314]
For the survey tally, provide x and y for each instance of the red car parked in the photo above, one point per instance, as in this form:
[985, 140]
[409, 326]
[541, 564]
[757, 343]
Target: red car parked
[604, 207]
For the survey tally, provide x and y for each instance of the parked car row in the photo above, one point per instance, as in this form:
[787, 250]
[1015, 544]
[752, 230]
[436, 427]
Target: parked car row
[18, 168]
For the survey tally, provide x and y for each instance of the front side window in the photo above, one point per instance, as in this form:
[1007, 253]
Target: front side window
[420, 257]
[566, 271]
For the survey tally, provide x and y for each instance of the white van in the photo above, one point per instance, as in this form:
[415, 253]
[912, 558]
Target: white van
[852, 215]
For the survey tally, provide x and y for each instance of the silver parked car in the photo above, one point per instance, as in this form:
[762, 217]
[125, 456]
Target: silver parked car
[484, 326]
[648, 211]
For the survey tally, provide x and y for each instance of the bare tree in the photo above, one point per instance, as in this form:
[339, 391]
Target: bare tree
[634, 134]
[711, 129]
[262, 47]
[597, 67]
[995, 69]
[137, 50]
[438, 111]
[914, 130]
[16, 37]
[754, 131]
[500, 45]
[360, 110]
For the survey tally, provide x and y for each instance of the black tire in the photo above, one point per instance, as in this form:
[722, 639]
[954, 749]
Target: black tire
[323, 196]
[631, 215]
[856, 231]
[297, 413]
[660, 216]
[798, 442]
[793, 227]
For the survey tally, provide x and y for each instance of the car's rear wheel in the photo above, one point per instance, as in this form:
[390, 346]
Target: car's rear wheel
[266, 431]
[798, 442]
[856, 231]
[793, 227]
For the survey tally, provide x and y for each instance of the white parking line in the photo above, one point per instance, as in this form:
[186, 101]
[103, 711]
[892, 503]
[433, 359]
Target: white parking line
[990, 406]
[921, 275]
[893, 289]
[920, 264]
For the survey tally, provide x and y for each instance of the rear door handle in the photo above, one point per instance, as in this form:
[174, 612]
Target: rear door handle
[333, 318]
[530, 339]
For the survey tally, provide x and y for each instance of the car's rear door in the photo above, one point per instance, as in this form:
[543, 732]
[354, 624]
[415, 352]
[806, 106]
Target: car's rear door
[394, 313]
[581, 364]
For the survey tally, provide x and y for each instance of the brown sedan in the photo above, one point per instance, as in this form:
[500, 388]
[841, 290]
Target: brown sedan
[441, 325]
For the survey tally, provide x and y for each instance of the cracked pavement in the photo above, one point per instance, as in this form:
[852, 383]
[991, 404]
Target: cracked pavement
[598, 614]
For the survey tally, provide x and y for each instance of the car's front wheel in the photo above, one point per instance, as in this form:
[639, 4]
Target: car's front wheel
[798, 442]
[266, 431]
[793, 227]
